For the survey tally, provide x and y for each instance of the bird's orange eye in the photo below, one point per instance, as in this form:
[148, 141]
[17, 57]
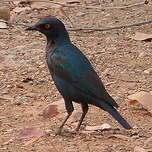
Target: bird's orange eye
[47, 26]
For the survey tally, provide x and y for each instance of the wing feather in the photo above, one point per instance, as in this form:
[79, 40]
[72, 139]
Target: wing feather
[75, 68]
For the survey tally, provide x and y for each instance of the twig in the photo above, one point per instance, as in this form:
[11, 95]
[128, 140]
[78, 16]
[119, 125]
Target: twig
[92, 7]
[128, 6]
[137, 81]
[92, 29]
[117, 79]
[110, 28]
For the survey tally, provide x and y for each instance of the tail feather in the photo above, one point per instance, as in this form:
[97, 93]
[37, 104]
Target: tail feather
[115, 114]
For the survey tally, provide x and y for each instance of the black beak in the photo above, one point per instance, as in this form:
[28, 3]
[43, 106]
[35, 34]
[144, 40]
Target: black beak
[34, 28]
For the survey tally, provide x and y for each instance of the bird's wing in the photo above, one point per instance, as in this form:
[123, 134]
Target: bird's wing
[75, 68]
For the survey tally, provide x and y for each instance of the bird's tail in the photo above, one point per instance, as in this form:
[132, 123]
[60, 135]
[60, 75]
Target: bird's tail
[115, 114]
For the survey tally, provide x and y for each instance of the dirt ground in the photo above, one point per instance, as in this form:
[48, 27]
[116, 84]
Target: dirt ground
[119, 60]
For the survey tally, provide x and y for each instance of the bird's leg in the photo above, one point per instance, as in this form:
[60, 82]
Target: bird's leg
[63, 123]
[69, 108]
[85, 110]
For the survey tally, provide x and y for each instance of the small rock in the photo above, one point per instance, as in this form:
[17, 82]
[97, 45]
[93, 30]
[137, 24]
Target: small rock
[17, 103]
[21, 9]
[9, 86]
[9, 130]
[148, 71]
[31, 94]
[142, 54]
[21, 100]
[48, 132]
[135, 127]
[135, 136]
[42, 66]
[3, 25]
[81, 14]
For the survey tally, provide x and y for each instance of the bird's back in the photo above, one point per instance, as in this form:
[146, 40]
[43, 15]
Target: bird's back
[70, 65]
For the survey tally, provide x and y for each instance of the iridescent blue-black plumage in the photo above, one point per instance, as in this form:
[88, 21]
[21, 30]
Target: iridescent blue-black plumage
[73, 74]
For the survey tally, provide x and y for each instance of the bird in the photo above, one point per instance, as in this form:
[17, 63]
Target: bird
[73, 74]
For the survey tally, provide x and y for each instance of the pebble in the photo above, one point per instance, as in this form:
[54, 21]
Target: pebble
[21, 100]
[142, 54]
[148, 71]
[31, 69]
[3, 25]
[31, 94]
[81, 14]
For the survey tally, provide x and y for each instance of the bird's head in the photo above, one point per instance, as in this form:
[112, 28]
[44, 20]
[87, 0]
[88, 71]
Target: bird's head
[51, 27]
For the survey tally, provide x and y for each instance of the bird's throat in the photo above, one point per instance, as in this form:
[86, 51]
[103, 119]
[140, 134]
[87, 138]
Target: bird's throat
[51, 45]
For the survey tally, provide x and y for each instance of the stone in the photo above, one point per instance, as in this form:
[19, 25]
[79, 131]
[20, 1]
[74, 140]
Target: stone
[148, 71]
